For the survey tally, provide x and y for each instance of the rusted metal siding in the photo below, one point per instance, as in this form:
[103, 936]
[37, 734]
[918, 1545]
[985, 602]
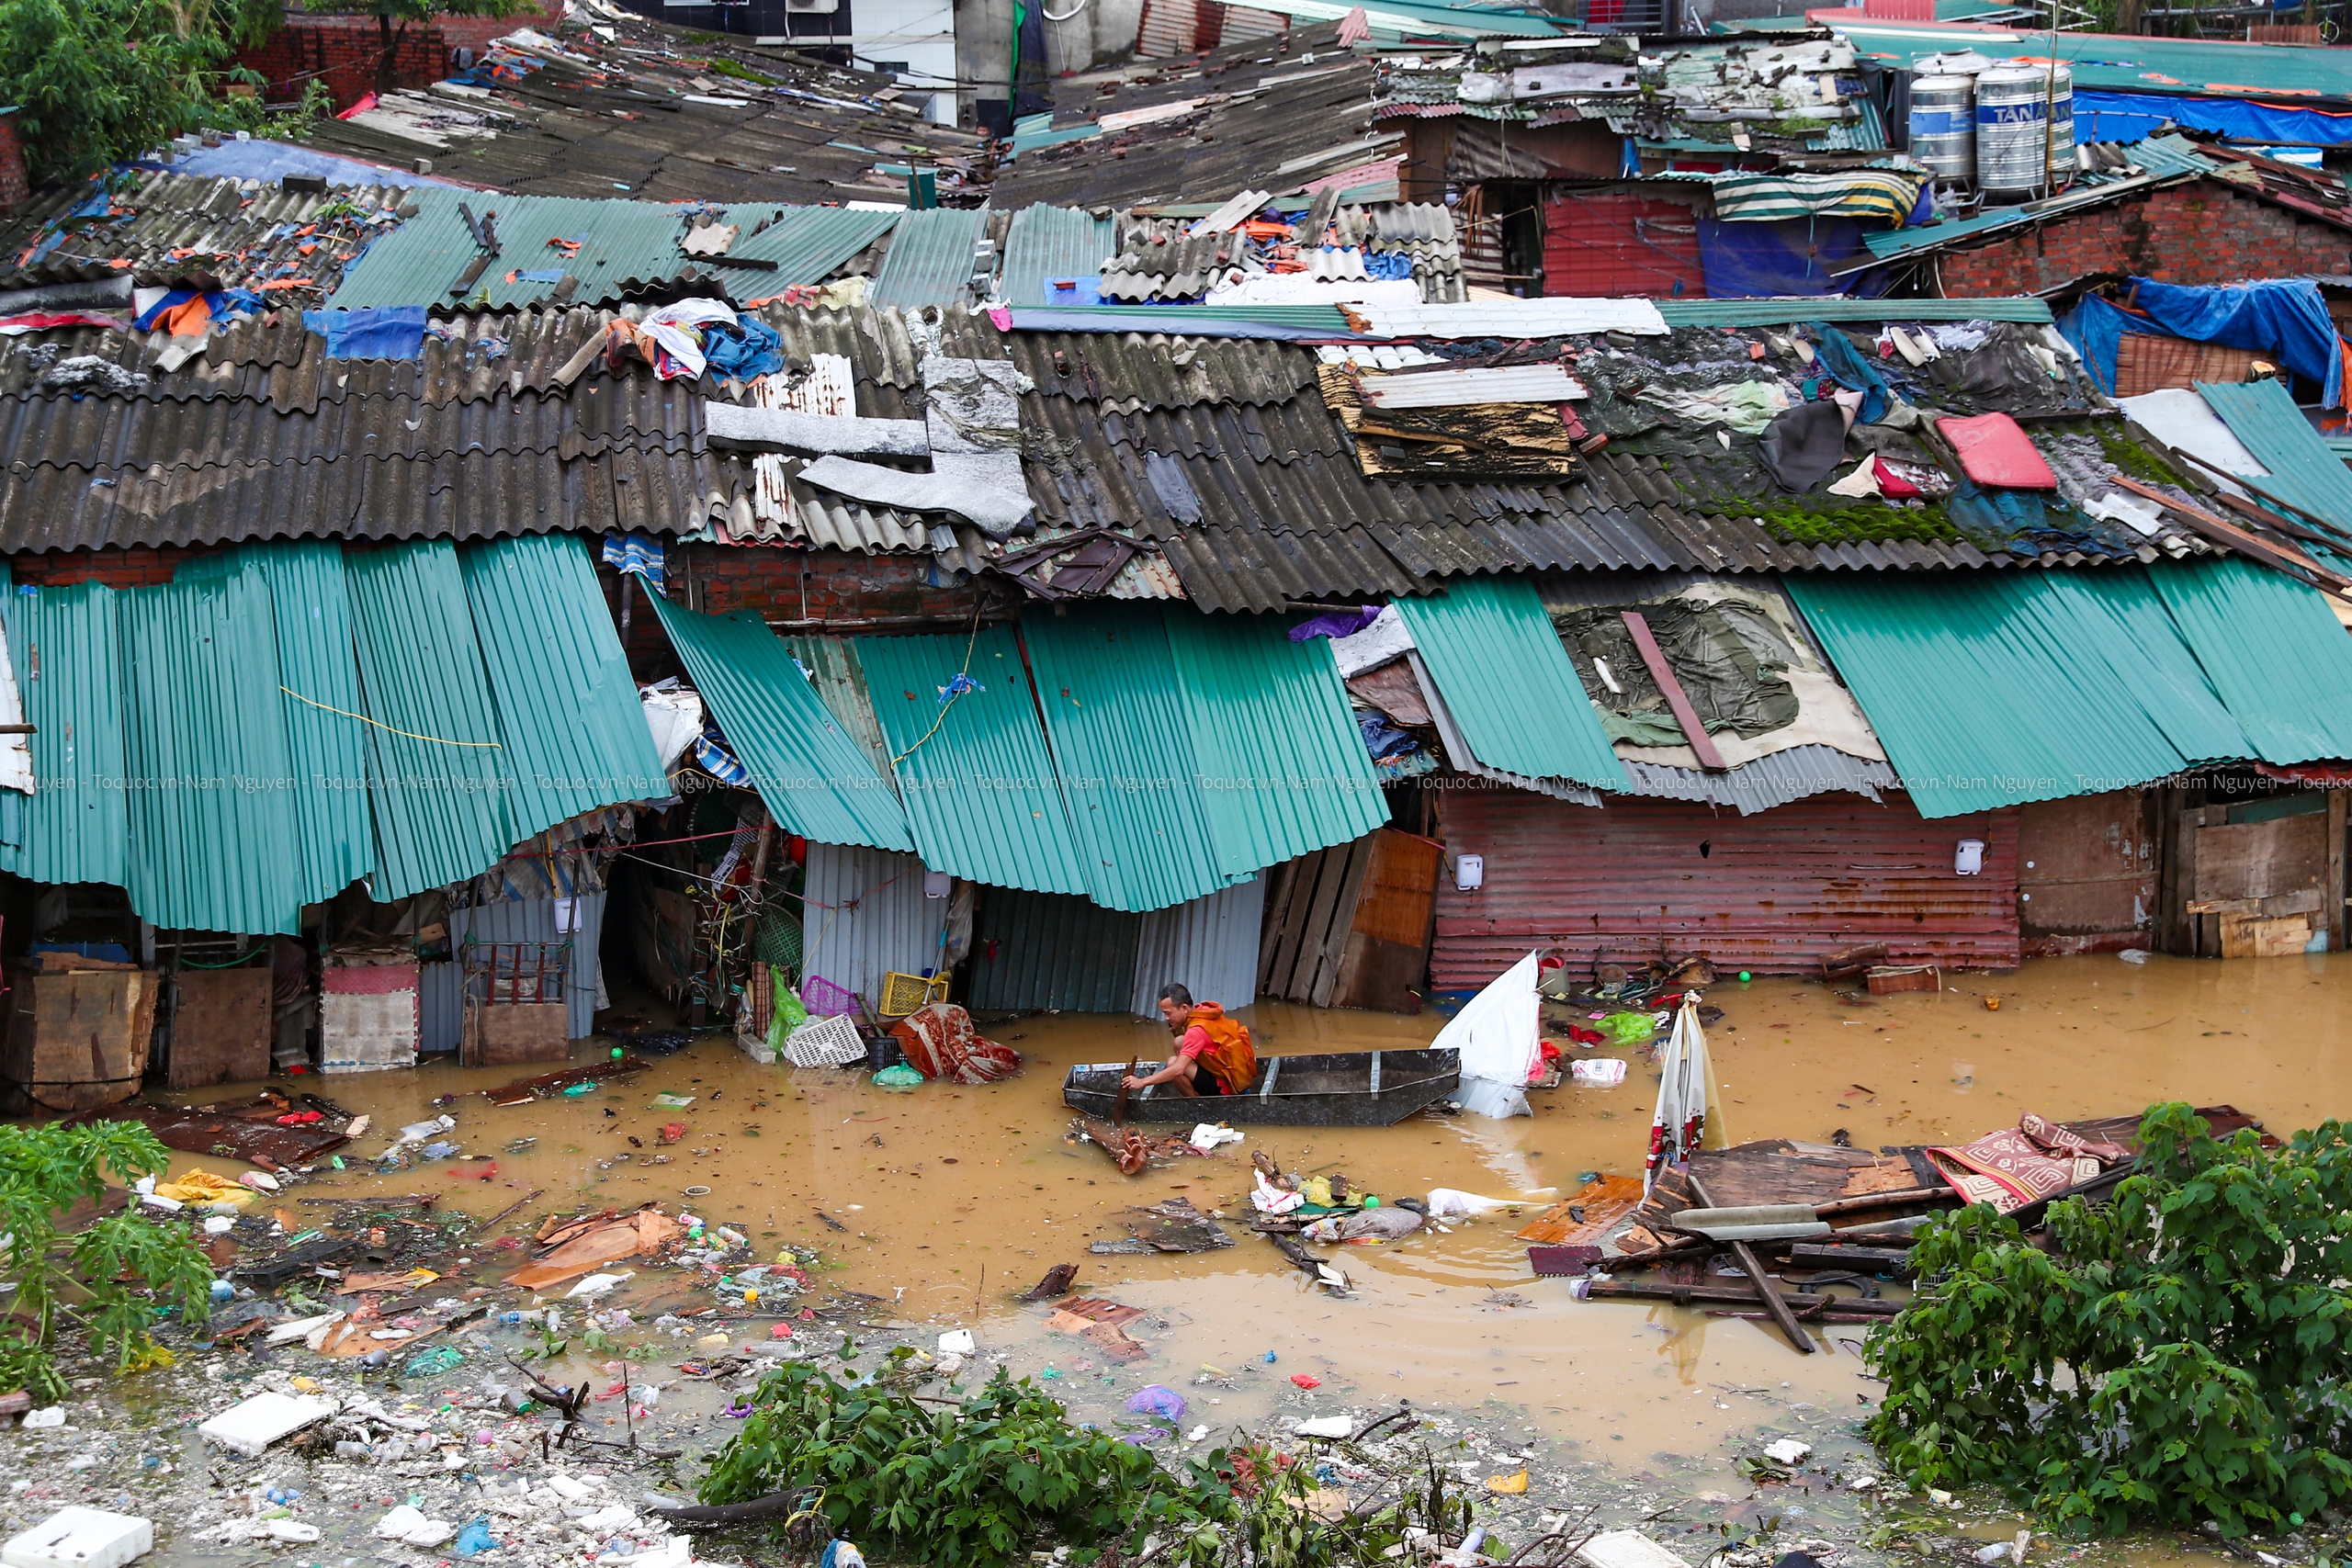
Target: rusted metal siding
[1769, 893]
[2086, 874]
[1608, 244]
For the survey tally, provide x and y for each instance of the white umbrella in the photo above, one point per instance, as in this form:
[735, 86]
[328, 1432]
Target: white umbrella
[1682, 1118]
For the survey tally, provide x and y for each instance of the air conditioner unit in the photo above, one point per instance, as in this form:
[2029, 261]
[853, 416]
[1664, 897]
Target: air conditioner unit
[812, 8]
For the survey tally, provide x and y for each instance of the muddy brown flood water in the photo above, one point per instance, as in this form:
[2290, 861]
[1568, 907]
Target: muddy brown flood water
[957, 1199]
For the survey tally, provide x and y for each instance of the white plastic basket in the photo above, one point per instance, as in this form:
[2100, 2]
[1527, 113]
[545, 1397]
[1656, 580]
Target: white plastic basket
[825, 1043]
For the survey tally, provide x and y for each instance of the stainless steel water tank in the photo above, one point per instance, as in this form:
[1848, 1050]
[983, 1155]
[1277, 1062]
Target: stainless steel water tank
[2025, 130]
[1943, 126]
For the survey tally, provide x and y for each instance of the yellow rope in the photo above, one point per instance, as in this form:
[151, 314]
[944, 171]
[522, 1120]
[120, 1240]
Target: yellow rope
[969, 644]
[405, 734]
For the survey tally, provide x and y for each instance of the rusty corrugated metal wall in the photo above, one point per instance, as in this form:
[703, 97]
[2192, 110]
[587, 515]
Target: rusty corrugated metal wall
[1769, 893]
[1606, 243]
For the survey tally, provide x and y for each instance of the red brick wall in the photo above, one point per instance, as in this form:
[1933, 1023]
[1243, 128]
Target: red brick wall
[343, 52]
[115, 568]
[2199, 232]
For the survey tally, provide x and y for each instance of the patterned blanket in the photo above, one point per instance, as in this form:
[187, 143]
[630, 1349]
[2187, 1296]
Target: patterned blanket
[2033, 1160]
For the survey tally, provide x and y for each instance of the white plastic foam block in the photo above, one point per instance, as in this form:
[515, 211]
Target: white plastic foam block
[1626, 1549]
[249, 1428]
[85, 1538]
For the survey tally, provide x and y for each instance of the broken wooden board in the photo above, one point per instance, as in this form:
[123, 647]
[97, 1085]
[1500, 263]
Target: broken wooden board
[1586, 1218]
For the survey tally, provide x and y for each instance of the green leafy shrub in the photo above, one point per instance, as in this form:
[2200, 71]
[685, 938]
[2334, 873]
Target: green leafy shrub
[2176, 1355]
[102, 1279]
[966, 1483]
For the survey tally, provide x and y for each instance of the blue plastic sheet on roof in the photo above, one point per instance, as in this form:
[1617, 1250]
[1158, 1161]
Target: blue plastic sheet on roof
[744, 352]
[1778, 260]
[374, 331]
[2134, 117]
[2283, 317]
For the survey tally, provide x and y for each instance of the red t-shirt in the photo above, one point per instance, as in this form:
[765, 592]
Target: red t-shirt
[1195, 1041]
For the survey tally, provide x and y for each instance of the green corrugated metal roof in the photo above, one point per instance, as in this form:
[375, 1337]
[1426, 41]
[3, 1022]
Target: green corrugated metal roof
[1047, 242]
[1122, 743]
[980, 792]
[812, 771]
[440, 812]
[623, 245]
[213, 846]
[2303, 470]
[568, 711]
[2272, 649]
[310, 604]
[806, 243]
[1282, 764]
[929, 260]
[1992, 689]
[2181, 66]
[1499, 665]
[1837, 308]
[832, 663]
[63, 644]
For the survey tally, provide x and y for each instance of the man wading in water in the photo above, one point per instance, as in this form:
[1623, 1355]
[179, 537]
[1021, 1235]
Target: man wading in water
[1212, 1052]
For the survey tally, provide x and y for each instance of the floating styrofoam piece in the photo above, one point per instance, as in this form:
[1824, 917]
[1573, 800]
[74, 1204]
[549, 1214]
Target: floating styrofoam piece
[1324, 1427]
[249, 1428]
[52, 1415]
[1788, 1450]
[1626, 1549]
[293, 1530]
[958, 1342]
[410, 1527]
[86, 1538]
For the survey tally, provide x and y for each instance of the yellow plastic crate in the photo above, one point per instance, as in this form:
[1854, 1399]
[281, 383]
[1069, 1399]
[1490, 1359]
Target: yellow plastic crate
[902, 994]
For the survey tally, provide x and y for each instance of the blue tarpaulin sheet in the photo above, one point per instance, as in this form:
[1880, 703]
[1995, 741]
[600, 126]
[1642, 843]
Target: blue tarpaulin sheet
[377, 332]
[1764, 261]
[2134, 117]
[2284, 317]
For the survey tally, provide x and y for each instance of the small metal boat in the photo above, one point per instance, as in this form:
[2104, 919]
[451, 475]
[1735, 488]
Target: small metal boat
[1348, 1089]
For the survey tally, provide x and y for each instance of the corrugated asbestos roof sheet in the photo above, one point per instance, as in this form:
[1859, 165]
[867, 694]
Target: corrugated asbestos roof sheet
[981, 795]
[63, 643]
[1998, 688]
[931, 258]
[1262, 119]
[1107, 683]
[433, 752]
[625, 248]
[2274, 652]
[575, 732]
[1047, 243]
[1281, 765]
[264, 447]
[1501, 668]
[183, 231]
[614, 111]
[200, 674]
[1775, 780]
[2303, 470]
[807, 767]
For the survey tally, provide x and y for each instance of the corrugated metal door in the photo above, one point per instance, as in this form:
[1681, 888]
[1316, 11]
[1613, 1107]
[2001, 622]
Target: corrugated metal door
[1208, 946]
[2087, 872]
[1606, 244]
[1769, 892]
[866, 915]
[1050, 950]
